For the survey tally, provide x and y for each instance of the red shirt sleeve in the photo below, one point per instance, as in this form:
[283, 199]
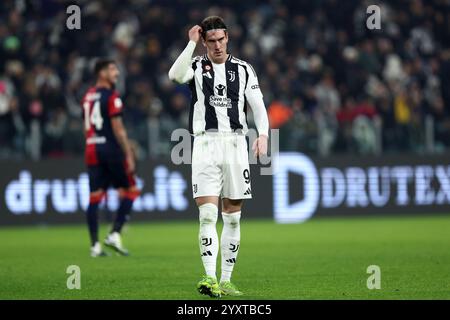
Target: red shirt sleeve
[115, 105]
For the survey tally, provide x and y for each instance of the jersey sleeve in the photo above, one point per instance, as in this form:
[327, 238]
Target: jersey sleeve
[252, 89]
[181, 70]
[254, 97]
[115, 105]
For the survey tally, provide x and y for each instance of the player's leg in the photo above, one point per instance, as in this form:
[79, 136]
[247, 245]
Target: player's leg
[128, 192]
[92, 215]
[236, 187]
[208, 243]
[230, 241]
[206, 187]
[96, 180]
[126, 197]
[207, 236]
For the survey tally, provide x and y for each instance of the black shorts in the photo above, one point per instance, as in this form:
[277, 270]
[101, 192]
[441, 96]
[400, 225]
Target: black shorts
[110, 173]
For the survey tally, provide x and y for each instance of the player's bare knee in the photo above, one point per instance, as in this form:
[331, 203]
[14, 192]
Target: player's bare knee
[96, 196]
[208, 199]
[229, 206]
[129, 193]
[208, 213]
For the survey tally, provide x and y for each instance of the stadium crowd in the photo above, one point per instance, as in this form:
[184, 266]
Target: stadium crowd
[330, 84]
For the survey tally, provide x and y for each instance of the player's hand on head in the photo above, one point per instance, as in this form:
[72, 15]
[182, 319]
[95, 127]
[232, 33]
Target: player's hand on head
[195, 33]
[260, 146]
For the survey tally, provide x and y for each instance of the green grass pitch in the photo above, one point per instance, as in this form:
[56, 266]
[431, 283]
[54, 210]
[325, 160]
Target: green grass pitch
[319, 259]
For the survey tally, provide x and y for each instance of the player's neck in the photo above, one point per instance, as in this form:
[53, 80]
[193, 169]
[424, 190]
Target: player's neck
[103, 84]
[219, 61]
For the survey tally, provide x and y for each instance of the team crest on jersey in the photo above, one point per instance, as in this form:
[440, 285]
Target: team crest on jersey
[232, 75]
[220, 100]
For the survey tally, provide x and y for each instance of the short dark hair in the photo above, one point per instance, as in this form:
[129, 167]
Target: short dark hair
[211, 23]
[101, 64]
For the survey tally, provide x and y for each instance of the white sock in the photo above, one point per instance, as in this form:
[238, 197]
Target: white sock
[208, 239]
[230, 242]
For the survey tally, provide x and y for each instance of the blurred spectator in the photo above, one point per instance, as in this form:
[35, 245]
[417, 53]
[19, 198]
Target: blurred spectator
[300, 132]
[358, 133]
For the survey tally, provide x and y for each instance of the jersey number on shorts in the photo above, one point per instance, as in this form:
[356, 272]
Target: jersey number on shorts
[94, 118]
[246, 174]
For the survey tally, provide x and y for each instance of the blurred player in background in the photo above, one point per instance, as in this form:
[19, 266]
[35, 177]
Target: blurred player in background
[109, 156]
[220, 85]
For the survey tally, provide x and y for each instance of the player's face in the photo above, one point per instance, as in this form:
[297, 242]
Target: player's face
[112, 73]
[216, 44]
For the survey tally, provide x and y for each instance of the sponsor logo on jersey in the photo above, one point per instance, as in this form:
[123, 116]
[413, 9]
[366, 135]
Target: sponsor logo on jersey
[220, 100]
[220, 90]
[118, 103]
[207, 74]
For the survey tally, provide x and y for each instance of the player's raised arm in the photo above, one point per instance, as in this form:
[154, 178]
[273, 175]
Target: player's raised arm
[255, 100]
[181, 71]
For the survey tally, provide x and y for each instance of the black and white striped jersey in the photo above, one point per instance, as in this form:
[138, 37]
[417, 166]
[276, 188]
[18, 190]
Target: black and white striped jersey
[220, 93]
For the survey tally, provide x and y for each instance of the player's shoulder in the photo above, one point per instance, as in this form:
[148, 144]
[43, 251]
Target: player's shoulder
[115, 93]
[91, 94]
[199, 58]
[198, 61]
[110, 94]
[242, 63]
[234, 59]
[104, 92]
[114, 99]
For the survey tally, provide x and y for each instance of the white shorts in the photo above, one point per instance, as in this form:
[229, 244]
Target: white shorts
[220, 166]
